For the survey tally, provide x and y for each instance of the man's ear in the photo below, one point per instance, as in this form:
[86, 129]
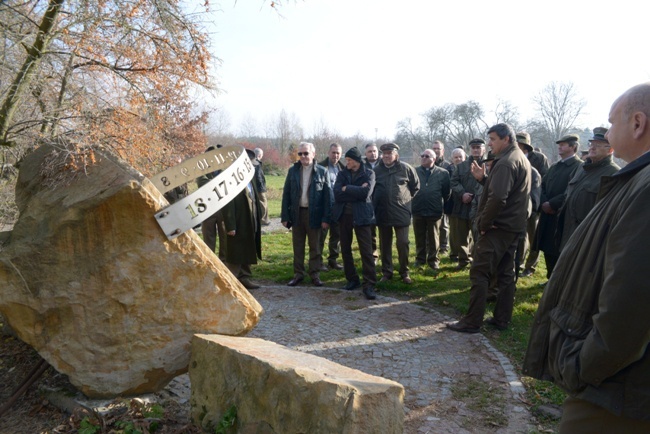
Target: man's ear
[639, 124]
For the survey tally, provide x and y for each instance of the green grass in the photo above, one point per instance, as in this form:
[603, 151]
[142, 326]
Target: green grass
[447, 291]
[274, 186]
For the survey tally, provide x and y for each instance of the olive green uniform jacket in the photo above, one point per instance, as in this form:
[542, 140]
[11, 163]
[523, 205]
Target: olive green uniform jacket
[394, 191]
[462, 181]
[581, 195]
[505, 200]
[592, 328]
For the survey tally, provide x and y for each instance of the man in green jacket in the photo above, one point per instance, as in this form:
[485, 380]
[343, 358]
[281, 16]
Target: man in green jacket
[582, 191]
[395, 185]
[501, 217]
[591, 333]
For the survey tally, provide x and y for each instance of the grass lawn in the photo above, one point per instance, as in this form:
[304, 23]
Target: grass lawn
[447, 291]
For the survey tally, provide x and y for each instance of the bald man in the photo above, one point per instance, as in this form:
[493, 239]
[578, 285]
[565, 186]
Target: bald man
[590, 333]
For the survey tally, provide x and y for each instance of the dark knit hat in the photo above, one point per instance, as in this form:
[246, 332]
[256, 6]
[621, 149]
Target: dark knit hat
[354, 154]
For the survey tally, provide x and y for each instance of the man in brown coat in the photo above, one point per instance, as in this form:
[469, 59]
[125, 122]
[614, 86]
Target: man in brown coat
[501, 217]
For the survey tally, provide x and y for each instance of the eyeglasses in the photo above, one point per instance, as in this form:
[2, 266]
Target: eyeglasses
[425, 156]
[596, 145]
[303, 154]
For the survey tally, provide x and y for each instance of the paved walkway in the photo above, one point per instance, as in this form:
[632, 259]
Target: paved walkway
[406, 343]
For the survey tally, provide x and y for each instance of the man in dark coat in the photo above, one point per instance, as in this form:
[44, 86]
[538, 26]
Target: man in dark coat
[396, 184]
[428, 209]
[554, 186]
[582, 191]
[501, 218]
[260, 180]
[590, 334]
[213, 227]
[463, 190]
[371, 160]
[333, 165]
[354, 212]
[242, 218]
[439, 150]
[539, 162]
[306, 209]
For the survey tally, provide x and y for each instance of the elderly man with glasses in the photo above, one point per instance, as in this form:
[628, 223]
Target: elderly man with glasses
[428, 208]
[582, 191]
[306, 208]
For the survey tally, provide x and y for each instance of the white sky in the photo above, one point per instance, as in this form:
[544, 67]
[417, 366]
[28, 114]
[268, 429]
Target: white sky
[366, 64]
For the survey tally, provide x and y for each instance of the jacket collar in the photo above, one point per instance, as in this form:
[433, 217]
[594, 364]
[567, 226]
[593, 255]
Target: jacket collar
[634, 166]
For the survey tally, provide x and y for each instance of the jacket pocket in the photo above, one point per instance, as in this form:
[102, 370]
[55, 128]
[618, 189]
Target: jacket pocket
[567, 332]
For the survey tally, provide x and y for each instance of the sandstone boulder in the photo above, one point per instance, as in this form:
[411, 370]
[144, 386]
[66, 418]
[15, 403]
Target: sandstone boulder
[92, 283]
[278, 390]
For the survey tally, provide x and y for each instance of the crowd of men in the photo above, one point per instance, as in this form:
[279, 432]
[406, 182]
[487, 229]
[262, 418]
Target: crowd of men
[493, 213]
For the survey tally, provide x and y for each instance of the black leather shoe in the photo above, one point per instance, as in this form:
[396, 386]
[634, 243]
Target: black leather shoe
[354, 284]
[295, 281]
[335, 266]
[491, 321]
[316, 281]
[462, 328]
[369, 292]
[248, 284]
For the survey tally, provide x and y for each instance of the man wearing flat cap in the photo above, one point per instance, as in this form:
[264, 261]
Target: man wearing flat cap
[463, 190]
[396, 184]
[582, 190]
[539, 162]
[554, 185]
[353, 211]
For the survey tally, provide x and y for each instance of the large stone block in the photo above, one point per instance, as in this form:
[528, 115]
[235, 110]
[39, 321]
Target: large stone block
[92, 283]
[278, 390]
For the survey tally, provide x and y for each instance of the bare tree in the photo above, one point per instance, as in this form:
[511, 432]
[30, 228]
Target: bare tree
[559, 106]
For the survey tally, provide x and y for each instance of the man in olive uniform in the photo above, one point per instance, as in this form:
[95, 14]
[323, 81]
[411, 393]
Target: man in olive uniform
[501, 218]
[583, 188]
[428, 209]
[463, 189]
[590, 333]
[539, 162]
[554, 186]
[242, 218]
[260, 180]
[213, 227]
[396, 184]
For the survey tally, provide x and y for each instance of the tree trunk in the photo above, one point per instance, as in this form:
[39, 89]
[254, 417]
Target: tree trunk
[27, 71]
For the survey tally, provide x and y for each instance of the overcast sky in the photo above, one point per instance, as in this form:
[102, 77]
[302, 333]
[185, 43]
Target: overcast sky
[365, 64]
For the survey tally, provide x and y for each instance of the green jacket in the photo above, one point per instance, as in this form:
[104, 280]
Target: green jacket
[505, 200]
[462, 181]
[581, 195]
[394, 191]
[591, 332]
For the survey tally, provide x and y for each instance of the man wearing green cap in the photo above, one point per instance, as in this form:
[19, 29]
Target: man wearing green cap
[396, 184]
[554, 186]
[582, 191]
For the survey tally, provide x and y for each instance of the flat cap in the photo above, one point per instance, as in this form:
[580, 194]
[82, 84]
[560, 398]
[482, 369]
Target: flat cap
[389, 147]
[599, 135]
[477, 142]
[569, 138]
